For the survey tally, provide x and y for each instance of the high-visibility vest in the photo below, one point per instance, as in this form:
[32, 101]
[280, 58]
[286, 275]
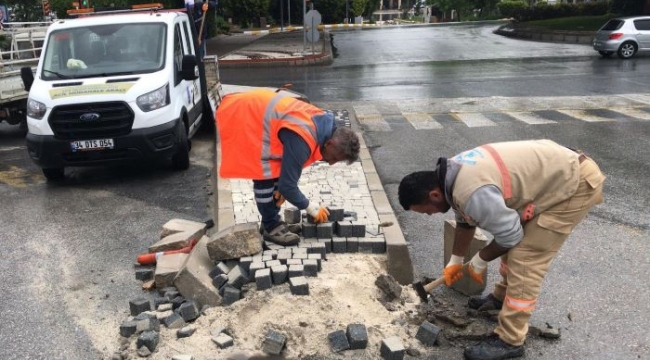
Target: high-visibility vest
[249, 123]
[532, 175]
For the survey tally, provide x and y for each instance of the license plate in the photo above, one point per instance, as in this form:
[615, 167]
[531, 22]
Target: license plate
[86, 145]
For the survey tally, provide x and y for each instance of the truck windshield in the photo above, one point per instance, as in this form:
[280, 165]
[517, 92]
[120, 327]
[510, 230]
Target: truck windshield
[104, 50]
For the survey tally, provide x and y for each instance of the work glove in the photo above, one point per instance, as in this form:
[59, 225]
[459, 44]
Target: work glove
[477, 268]
[279, 199]
[319, 214]
[204, 7]
[453, 271]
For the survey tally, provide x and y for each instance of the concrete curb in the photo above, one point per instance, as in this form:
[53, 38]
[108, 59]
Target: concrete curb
[529, 33]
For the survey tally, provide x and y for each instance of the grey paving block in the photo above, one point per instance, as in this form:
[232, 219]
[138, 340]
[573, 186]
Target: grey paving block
[185, 331]
[144, 274]
[274, 342]
[344, 229]
[296, 270]
[310, 267]
[148, 339]
[128, 328]
[299, 285]
[177, 301]
[162, 291]
[223, 341]
[237, 277]
[339, 245]
[263, 279]
[336, 214]
[245, 262]
[225, 286]
[272, 263]
[358, 229]
[294, 262]
[159, 300]
[146, 322]
[231, 295]
[272, 253]
[171, 294]
[319, 248]
[301, 256]
[428, 333]
[266, 258]
[338, 341]
[279, 274]
[253, 268]
[392, 349]
[308, 230]
[357, 336]
[365, 246]
[328, 245]
[352, 244]
[220, 268]
[378, 245]
[292, 215]
[189, 311]
[325, 230]
[139, 305]
[283, 257]
[219, 280]
[318, 258]
[173, 321]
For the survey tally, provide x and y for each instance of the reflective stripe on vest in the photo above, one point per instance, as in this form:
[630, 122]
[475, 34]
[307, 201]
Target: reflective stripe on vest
[520, 305]
[269, 114]
[506, 184]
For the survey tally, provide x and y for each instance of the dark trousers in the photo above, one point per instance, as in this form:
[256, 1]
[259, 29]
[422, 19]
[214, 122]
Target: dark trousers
[263, 190]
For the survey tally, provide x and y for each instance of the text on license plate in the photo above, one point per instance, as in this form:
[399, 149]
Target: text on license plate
[97, 144]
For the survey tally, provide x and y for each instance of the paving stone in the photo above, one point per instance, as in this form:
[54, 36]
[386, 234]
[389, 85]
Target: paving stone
[223, 289]
[428, 333]
[272, 263]
[171, 294]
[146, 322]
[283, 257]
[325, 230]
[274, 342]
[167, 267]
[253, 268]
[338, 341]
[272, 253]
[219, 280]
[162, 291]
[296, 270]
[357, 336]
[223, 341]
[186, 331]
[308, 230]
[392, 349]
[352, 244]
[339, 245]
[263, 279]
[128, 328]
[143, 351]
[165, 307]
[365, 246]
[139, 305]
[174, 226]
[328, 245]
[193, 280]
[299, 285]
[237, 277]
[301, 256]
[310, 267]
[344, 229]
[182, 357]
[174, 321]
[267, 258]
[299, 251]
[292, 215]
[189, 311]
[231, 295]
[178, 301]
[144, 274]
[294, 262]
[279, 274]
[245, 262]
[175, 241]
[336, 214]
[378, 245]
[148, 339]
[358, 229]
[319, 248]
[220, 268]
[160, 300]
[318, 258]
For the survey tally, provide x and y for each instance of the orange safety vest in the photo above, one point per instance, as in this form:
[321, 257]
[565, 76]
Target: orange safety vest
[249, 123]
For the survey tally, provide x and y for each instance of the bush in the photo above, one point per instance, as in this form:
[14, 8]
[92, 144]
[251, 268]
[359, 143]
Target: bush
[513, 9]
[223, 27]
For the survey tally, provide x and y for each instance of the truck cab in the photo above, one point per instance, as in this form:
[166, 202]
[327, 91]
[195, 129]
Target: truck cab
[115, 87]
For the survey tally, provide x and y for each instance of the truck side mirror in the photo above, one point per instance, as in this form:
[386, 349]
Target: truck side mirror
[27, 76]
[189, 68]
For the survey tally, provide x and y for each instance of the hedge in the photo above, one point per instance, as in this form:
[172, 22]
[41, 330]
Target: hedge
[520, 11]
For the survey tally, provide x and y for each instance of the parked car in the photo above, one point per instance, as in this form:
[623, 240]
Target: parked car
[624, 36]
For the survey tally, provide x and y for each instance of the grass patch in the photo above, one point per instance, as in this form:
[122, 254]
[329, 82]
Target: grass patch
[574, 23]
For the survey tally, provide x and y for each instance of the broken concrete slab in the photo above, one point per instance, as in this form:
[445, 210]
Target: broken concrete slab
[173, 242]
[193, 281]
[235, 242]
[167, 267]
[174, 226]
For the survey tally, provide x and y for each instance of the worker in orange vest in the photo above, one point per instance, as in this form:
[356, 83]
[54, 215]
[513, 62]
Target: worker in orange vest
[270, 137]
[529, 195]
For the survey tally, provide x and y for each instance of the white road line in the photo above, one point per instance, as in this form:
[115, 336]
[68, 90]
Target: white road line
[13, 148]
[422, 121]
[584, 116]
[474, 119]
[632, 112]
[370, 117]
[529, 118]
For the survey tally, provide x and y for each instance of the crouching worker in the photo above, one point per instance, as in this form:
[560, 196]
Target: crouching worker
[270, 137]
[529, 195]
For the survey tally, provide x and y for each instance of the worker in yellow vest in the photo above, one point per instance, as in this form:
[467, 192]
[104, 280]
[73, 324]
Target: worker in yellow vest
[270, 137]
[529, 195]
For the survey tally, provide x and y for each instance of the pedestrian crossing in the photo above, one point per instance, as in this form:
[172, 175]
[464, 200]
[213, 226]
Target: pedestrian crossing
[491, 112]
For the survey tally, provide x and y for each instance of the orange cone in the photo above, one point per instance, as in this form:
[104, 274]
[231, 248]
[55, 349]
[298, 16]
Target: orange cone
[152, 258]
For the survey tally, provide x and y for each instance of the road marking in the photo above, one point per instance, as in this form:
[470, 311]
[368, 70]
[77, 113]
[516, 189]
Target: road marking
[18, 177]
[529, 118]
[370, 117]
[584, 116]
[473, 119]
[13, 148]
[632, 112]
[422, 121]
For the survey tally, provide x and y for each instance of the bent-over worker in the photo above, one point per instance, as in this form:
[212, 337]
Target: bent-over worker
[529, 195]
[270, 137]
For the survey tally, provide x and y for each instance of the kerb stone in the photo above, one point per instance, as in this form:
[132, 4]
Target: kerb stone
[193, 281]
[174, 226]
[173, 242]
[235, 242]
[167, 267]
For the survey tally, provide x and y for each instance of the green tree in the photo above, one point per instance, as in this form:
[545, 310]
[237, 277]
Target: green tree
[627, 7]
[245, 12]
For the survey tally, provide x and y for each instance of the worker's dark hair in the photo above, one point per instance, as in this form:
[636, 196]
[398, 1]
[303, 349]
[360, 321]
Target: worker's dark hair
[347, 143]
[415, 187]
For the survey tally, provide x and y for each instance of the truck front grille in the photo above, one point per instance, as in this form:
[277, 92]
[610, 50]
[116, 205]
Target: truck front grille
[91, 121]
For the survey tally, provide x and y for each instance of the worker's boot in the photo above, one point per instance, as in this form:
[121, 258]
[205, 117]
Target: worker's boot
[281, 235]
[294, 228]
[484, 303]
[493, 348]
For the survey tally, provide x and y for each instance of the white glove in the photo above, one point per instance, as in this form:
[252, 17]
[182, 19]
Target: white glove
[478, 264]
[319, 213]
[455, 260]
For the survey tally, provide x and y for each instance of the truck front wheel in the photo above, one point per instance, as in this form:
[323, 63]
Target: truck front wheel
[54, 174]
[181, 160]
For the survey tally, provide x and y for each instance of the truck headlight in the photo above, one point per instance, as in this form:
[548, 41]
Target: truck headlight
[154, 100]
[35, 109]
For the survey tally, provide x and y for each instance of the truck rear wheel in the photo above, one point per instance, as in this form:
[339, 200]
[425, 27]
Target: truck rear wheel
[181, 160]
[54, 174]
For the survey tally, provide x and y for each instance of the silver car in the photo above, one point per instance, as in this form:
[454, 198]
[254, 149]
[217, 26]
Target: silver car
[624, 36]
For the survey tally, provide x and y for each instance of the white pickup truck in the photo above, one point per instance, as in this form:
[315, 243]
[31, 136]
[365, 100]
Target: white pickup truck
[117, 86]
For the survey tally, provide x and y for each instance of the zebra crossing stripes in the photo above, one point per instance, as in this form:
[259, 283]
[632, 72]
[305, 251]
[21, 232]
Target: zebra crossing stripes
[633, 112]
[370, 117]
[529, 118]
[421, 121]
[584, 115]
[473, 119]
